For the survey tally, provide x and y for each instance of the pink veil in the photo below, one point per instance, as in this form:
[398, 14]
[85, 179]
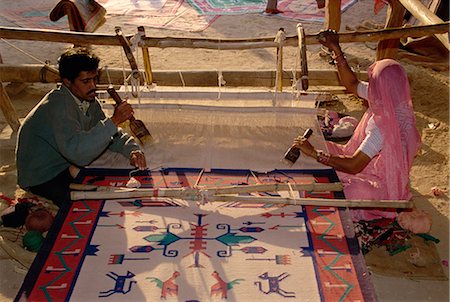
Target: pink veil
[391, 106]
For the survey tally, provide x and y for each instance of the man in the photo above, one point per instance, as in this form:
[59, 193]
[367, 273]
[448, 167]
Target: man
[68, 130]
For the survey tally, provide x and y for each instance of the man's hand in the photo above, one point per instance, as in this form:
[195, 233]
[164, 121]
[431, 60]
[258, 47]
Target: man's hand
[122, 112]
[137, 159]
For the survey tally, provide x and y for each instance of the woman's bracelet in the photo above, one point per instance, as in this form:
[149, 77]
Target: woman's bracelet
[340, 60]
[323, 157]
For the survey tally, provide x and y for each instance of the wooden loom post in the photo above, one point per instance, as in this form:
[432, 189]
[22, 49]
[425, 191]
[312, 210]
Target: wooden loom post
[303, 61]
[128, 53]
[389, 48]
[146, 58]
[333, 14]
[8, 109]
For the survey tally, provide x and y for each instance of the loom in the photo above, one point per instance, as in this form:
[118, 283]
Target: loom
[251, 128]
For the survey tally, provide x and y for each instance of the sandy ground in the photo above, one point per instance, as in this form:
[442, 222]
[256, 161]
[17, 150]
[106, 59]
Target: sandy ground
[430, 91]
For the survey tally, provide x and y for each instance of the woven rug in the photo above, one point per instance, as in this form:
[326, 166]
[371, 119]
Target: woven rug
[174, 15]
[190, 15]
[306, 10]
[149, 249]
[31, 14]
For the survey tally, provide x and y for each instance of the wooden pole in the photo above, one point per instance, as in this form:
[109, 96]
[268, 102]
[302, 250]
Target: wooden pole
[163, 42]
[427, 17]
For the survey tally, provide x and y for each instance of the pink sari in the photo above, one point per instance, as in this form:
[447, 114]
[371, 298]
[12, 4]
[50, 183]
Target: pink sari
[387, 174]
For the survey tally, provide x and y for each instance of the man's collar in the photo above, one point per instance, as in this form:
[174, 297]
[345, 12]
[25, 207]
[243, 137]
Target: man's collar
[83, 105]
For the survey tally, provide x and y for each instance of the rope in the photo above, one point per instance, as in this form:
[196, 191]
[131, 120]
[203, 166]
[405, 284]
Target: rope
[24, 52]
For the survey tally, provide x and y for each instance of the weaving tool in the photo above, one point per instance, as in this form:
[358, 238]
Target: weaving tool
[137, 127]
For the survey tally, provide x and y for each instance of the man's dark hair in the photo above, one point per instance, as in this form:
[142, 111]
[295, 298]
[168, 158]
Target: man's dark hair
[75, 60]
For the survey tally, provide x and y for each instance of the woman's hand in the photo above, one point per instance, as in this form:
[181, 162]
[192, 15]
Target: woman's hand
[330, 39]
[137, 159]
[305, 146]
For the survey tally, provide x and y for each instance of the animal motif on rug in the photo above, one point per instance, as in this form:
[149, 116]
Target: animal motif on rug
[167, 287]
[119, 286]
[221, 287]
[274, 285]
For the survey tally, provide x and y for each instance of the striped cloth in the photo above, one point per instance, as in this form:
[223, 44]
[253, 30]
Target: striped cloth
[83, 15]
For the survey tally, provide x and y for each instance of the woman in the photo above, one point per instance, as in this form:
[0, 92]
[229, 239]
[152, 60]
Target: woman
[376, 162]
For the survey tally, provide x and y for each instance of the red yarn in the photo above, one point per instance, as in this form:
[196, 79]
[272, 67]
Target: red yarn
[39, 220]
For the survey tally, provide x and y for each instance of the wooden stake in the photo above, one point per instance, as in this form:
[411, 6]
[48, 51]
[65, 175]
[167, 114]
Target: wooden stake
[279, 39]
[303, 62]
[146, 58]
[8, 109]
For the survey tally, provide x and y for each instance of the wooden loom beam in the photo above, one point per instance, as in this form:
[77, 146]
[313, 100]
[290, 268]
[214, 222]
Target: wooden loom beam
[224, 44]
[217, 194]
[220, 190]
[204, 78]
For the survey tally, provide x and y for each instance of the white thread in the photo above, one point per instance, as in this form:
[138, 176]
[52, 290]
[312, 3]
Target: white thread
[135, 86]
[291, 192]
[125, 80]
[109, 77]
[182, 79]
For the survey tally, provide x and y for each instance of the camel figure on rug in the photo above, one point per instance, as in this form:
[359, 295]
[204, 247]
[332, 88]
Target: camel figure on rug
[167, 287]
[222, 287]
